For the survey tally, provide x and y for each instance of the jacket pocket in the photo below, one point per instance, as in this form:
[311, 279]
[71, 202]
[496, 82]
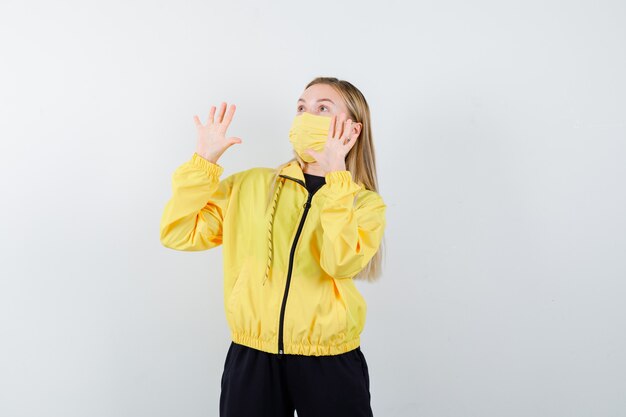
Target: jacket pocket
[240, 283]
[341, 309]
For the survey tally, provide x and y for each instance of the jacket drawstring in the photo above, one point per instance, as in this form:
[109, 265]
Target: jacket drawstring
[270, 229]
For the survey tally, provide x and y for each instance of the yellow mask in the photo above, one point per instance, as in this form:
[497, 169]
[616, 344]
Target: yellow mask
[309, 131]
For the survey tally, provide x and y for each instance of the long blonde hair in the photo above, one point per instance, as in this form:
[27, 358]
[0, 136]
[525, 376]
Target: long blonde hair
[360, 160]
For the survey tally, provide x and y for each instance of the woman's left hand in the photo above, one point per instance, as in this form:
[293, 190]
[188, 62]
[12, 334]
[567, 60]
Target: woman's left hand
[341, 139]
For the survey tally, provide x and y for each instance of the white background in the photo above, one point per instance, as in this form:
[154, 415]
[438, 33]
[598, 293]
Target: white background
[500, 133]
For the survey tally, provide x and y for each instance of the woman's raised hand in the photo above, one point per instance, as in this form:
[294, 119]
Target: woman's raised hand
[341, 138]
[212, 140]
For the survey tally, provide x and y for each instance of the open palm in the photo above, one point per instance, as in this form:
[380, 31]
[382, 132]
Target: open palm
[340, 140]
[212, 140]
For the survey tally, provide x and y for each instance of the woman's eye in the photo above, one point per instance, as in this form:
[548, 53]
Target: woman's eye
[321, 107]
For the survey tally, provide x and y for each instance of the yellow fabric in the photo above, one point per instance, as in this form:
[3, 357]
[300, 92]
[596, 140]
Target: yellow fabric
[324, 312]
[309, 131]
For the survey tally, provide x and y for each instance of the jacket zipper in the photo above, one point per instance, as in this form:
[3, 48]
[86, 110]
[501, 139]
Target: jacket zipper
[307, 205]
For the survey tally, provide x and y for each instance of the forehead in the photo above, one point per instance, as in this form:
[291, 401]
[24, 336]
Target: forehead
[319, 91]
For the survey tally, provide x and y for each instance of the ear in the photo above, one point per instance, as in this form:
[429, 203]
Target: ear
[357, 128]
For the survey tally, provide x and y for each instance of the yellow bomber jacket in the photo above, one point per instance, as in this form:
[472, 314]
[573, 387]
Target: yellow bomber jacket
[288, 269]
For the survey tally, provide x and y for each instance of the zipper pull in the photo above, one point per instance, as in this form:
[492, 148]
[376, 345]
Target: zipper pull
[307, 203]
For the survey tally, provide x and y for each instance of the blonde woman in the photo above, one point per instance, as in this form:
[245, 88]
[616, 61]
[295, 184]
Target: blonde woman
[294, 239]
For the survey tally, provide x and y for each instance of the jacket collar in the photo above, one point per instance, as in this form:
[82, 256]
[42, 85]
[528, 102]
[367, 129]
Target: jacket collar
[293, 171]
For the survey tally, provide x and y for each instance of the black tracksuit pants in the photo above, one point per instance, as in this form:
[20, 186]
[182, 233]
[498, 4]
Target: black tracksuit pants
[260, 384]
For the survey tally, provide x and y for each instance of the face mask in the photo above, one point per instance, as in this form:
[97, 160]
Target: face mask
[309, 131]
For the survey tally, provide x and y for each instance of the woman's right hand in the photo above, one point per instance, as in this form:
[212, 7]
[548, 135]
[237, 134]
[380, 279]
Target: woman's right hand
[212, 140]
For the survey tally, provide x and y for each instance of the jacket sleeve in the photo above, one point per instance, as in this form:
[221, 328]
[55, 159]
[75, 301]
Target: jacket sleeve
[351, 235]
[193, 217]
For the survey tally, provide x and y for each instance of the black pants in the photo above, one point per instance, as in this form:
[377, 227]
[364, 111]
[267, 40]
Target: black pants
[259, 384]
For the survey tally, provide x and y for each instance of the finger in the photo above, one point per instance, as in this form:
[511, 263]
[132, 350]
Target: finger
[228, 117]
[331, 129]
[347, 131]
[351, 143]
[197, 121]
[229, 144]
[235, 139]
[211, 115]
[339, 125]
[220, 114]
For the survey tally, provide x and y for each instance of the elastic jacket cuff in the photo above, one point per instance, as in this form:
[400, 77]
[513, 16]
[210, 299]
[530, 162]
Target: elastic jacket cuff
[340, 183]
[212, 170]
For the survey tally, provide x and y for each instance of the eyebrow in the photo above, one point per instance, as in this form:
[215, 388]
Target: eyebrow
[321, 99]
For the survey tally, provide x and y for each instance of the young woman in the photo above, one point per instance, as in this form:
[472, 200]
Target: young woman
[294, 239]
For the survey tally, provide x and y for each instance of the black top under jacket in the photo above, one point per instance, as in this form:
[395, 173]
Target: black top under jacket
[313, 182]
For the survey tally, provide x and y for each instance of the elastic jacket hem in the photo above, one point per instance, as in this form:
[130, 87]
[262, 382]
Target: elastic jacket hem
[308, 349]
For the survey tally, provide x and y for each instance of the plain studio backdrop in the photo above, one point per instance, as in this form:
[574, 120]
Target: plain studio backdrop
[500, 133]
